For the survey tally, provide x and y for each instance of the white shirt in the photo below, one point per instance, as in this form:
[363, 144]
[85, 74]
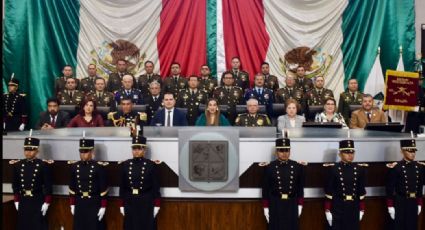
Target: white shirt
[171, 117]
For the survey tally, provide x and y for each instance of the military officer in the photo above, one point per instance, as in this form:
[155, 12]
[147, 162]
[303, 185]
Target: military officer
[70, 96]
[318, 94]
[271, 81]
[126, 117]
[283, 188]
[102, 97]
[145, 79]
[87, 84]
[191, 98]
[290, 91]
[14, 111]
[229, 95]
[345, 190]
[129, 91]
[241, 77]
[301, 81]
[115, 79]
[207, 82]
[404, 187]
[154, 101]
[32, 187]
[174, 83]
[139, 193]
[88, 189]
[252, 118]
[60, 82]
[350, 97]
[263, 95]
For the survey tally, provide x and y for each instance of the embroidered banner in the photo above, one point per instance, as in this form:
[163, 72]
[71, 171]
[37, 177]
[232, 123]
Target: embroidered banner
[401, 90]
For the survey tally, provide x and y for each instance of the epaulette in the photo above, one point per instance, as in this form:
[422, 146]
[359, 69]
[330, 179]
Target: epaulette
[216, 87]
[103, 163]
[157, 162]
[263, 164]
[238, 87]
[143, 116]
[72, 162]
[111, 115]
[421, 163]
[391, 165]
[11, 162]
[305, 163]
[363, 164]
[328, 164]
[120, 162]
[49, 161]
[23, 94]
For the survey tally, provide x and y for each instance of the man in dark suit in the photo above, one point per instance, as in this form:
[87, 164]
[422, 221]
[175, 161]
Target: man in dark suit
[154, 100]
[169, 116]
[52, 118]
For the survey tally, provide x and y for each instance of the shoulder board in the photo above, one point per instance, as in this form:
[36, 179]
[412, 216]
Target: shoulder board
[242, 114]
[23, 94]
[328, 164]
[111, 115]
[103, 163]
[217, 87]
[143, 116]
[237, 87]
[363, 165]
[157, 162]
[421, 163]
[11, 162]
[302, 163]
[71, 162]
[49, 161]
[391, 165]
[263, 164]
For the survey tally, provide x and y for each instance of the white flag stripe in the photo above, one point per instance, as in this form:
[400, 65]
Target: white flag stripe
[375, 82]
[221, 53]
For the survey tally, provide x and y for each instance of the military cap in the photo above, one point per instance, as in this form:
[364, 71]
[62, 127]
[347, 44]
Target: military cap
[346, 146]
[408, 144]
[139, 141]
[31, 143]
[283, 143]
[14, 82]
[86, 144]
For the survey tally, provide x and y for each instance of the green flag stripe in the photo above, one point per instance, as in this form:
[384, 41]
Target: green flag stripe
[212, 35]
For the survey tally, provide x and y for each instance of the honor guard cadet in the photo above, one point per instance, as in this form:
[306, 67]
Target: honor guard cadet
[191, 98]
[88, 189]
[283, 189]
[32, 187]
[14, 113]
[174, 83]
[319, 94]
[229, 95]
[139, 192]
[207, 82]
[345, 190]
[404, 187]
[252, 118]
[126, 117]
[352, 96]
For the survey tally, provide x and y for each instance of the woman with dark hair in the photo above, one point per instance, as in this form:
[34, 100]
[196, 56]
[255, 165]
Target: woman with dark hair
[329, 113]
[212, 115]
[290, 119]
[88, 116]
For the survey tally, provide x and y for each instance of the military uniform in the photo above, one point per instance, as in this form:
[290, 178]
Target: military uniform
[144, 81]
[306, 84]
[264, 96]
[32, 187]
[135, 95]
[345, 100]
[152, 105]
[104, 98]
[283, 94]
[283, 190]
[208, 85]
[405, 181]
[14, 110]
[132, 119]
[271, 82]
[230, 96]
[87, 84]
[318, 96]
[67, 98]
[88, 190]
[139, 190]
[173, 85]
[191, 101]
[60, 83]
[415, 119]
[114, 81]
[248, 120]
[345, 191]
[241, 79]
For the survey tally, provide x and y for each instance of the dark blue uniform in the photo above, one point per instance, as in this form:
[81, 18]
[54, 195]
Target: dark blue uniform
[135, 95]
[264, 96]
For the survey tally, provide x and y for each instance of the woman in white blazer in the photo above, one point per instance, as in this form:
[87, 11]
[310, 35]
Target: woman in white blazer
[290, 119]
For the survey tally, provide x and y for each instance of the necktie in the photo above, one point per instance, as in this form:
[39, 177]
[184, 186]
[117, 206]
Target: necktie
[169, 118]
[228, 89]
[290, 92]
[53, 121]
[369, 116]
[121, 75]
[70, 94]
[176, 80]
[319, 92]
[154, 99]
[127, 92]
[352, 96]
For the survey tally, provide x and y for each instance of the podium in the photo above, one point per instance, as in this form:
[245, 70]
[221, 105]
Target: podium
[333, 125]
[388, 127]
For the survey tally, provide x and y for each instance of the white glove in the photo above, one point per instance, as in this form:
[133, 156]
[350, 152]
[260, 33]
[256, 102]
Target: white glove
[361, 215]
[266, 214]
[44, 208]
[155, 211]
[17, 206]
[300, 209]
[391, 211]
[72, 209]
[329, 217]
[419, 209]
[101, 213]
[122, 211]
[22, 127]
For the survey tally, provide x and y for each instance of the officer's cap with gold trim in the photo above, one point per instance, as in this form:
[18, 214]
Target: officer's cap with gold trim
[14, 82]
[408, 144]
[31, 143]
[86, 144]
[283, 143]
[346, 146]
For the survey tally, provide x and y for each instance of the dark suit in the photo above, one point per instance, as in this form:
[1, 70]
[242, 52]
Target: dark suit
[152, 106]
[179, 118]
[62, 120]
